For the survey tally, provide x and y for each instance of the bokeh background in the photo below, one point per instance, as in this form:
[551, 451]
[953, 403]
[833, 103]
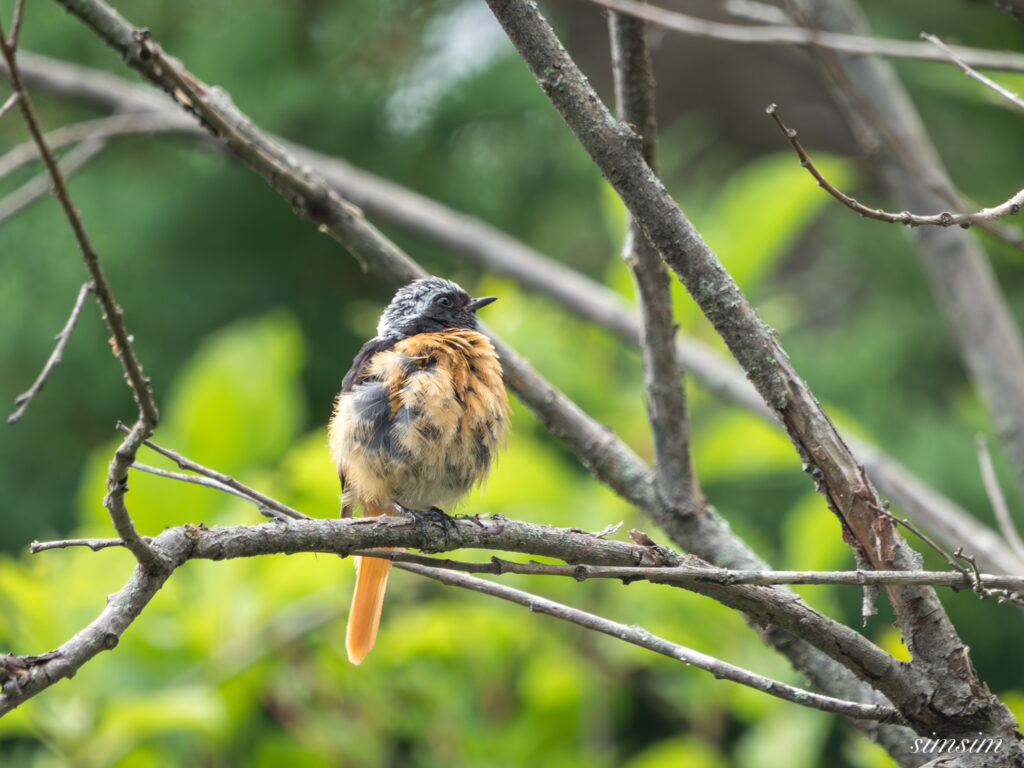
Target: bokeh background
[246, 318]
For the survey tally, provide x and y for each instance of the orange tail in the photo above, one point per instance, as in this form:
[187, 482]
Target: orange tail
[367, 600]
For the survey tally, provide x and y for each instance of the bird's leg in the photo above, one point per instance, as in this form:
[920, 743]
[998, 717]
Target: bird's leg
[432, 515]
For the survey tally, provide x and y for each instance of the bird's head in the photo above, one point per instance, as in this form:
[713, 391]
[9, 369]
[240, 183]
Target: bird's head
[430, 304]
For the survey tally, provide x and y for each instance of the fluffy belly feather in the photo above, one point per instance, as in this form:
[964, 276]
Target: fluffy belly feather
[423, 424]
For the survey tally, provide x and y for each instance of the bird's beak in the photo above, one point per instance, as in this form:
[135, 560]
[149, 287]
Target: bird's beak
[475, 304]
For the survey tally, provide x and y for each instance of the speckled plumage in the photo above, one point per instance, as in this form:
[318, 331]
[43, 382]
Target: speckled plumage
[417, 423]
[422, 422]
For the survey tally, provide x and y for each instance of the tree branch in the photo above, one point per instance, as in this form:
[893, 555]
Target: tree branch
[1013, 98]
[605, 454]
[617, 152]
[112, 314]
[666, 401]
[997, 499]
[40, 186]
[883, 116]
[23, 677]
[644, 639]
[24, 400]
[772, 34]
[945, 219]
[156, 120]
[10, 103]
[503, 255]
[343, 537]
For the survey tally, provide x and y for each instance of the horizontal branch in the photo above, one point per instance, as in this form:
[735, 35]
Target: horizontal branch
[174, 546]
[689, 575]
[655, 572]
[772, 34]
[641, 637]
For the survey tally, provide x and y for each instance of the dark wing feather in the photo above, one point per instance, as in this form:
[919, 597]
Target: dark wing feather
[355, 373]
[362, 359]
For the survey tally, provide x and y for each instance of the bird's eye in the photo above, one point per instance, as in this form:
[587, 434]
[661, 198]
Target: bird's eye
[444, 300]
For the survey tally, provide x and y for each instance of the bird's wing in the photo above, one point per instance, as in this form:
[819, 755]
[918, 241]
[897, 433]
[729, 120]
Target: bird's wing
[362, 359]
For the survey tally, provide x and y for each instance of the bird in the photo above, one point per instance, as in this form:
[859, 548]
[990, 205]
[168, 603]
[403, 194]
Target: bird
[417, 423]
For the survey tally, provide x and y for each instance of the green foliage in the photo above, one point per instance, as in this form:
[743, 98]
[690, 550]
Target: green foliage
[246, 318]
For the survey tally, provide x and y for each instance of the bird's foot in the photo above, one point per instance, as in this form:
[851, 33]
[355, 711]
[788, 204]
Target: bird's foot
[432, 515]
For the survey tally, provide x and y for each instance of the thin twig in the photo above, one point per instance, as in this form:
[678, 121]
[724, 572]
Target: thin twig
[973, 73]
[114, 316]
[688, 575]
[208, 483]
[997, 498]
[19, 16]
[94, 544]
[11, 101]
[40, 186]
[663, 375]
[112, 312]
[220, 480]
[945, 219]
[117, 487]
[641, 637]
[127, 124]
[892, 135]
[790, 35]
[23, 400]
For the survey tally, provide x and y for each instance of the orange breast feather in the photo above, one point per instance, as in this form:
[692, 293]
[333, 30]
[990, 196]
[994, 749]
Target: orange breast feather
[422, 425]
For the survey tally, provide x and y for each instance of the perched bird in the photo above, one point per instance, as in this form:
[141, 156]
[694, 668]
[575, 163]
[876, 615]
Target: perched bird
[416, 424]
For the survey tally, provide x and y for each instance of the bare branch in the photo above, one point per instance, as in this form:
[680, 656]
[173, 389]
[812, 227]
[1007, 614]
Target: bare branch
[117, 487]
[616, 151]
[113, 315]
[945, 219]
[9, 103]
[997, 499]
[127, 124]
[177, 545]
[601, 451]
[966, 291]
[19, 16]
[94, 544]
[218, 480]
[501, 254]
[973, 73]
[23, 400]
[811, 38]
[207, 483]
[41, 185]
[666, 402]
[644, 639]
[675, 575]
[687, 576]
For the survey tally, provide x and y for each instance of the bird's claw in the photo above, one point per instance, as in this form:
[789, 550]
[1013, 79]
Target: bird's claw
[432, 515]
